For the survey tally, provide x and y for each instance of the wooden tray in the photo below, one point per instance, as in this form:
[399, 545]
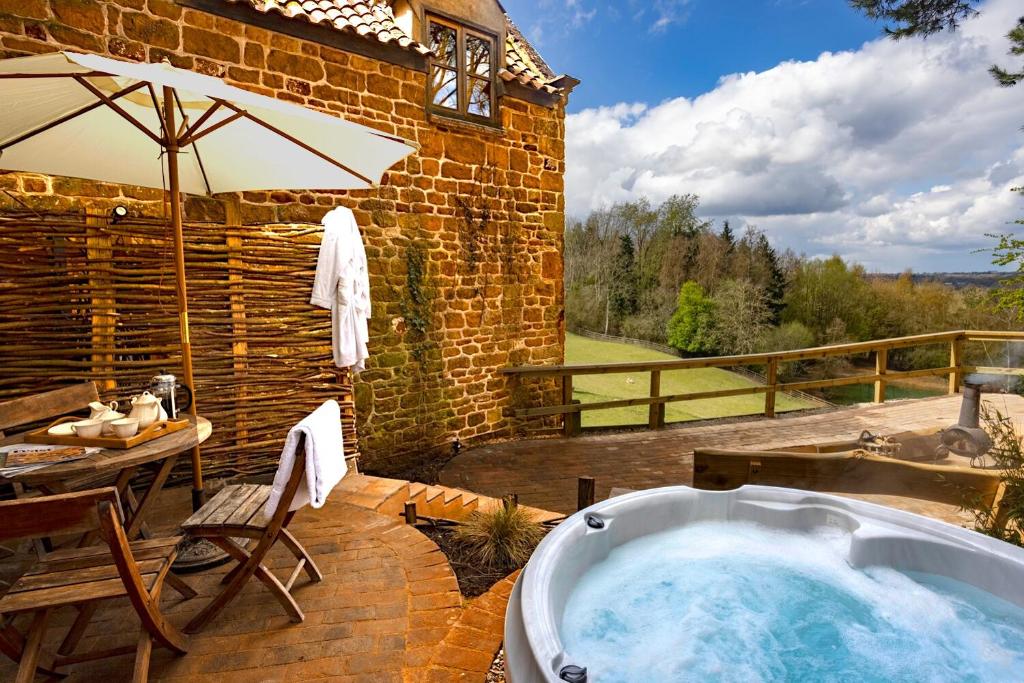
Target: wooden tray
[153, 431]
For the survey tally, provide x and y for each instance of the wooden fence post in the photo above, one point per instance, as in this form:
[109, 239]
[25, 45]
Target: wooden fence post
[656, 413]
[881, 367]
[99, 249]
[239, 343]
[956, 361]
[771, 379]
[571, 422]
[584, 492]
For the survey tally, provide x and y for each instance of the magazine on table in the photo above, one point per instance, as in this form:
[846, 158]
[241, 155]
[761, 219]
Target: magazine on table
[20, 458]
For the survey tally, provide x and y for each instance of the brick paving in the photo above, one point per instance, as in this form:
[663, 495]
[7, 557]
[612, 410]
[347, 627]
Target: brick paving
[467, 650]
[387, 601]
[544, 471]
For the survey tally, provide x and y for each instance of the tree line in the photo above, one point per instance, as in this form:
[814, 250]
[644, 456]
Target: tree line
[663, 274]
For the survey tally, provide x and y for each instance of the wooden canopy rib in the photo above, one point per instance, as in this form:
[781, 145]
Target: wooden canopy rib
[79, 74]
[117, 108]
[186, 137]
[156, 107]
[184, 127]
[191, 136]
[67, 117]
[295, 141]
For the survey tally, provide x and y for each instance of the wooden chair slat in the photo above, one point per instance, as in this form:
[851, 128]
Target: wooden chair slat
[65, 513]
[79, 575]
[214, 505]
[62, 596]
[140, 548]
[237, 496]
[208, 508]
[253, 513]
[23, 411]
[249, 514]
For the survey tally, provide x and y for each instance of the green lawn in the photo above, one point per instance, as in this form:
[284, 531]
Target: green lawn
[598, 388]
[865, 393]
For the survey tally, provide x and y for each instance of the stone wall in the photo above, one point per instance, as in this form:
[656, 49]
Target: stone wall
[464, 239]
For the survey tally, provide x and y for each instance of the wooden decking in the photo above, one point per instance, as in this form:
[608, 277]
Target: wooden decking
[544, 471]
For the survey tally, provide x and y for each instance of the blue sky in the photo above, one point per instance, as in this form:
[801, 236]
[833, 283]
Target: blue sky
[654, 51]
[795, 116]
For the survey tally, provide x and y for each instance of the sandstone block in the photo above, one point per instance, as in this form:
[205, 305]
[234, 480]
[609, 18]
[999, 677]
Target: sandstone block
[150, 30]
[211, 44]
[83, 15]
[298, 66]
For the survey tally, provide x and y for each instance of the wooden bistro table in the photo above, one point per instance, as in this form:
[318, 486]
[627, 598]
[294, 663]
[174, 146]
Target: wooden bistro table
[157, 456]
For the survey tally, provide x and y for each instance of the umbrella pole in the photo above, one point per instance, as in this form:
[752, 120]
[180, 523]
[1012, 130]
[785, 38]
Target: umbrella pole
[171, 131]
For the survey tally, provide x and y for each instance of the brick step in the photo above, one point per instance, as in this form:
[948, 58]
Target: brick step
[389, 496]
[386, 496]
[441, 501]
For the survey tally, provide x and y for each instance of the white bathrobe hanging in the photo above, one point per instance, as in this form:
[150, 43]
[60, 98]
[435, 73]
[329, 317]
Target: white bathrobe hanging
[342, 284]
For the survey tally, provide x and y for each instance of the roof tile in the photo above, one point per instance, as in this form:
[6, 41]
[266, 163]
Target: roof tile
[370, 19]
[374, 20]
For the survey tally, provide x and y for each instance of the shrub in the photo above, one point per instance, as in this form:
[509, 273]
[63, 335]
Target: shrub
[788, 337]
[691, 327]
[649, 326]
[1008, 453]
[503, 538]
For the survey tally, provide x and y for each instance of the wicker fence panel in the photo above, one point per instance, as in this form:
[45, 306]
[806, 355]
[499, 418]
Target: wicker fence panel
[82, 298]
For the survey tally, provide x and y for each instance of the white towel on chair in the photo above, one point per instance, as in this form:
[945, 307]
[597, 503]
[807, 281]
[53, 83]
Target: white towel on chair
[325, 458]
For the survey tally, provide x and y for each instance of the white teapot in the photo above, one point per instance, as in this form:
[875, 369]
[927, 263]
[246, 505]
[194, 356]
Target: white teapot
[146, 409]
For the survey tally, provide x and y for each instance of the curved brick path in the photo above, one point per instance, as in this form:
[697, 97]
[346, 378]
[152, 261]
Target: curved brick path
[387, 601]
[544, 471]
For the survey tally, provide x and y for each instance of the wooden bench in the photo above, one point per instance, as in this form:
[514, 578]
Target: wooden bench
[853, 472]
[83, 577]
[46, 406]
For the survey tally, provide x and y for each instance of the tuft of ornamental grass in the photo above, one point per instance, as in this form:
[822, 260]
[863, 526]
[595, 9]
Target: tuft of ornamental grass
[502, 538]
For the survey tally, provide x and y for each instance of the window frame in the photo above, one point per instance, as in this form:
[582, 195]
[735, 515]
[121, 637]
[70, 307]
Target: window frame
[464, 79]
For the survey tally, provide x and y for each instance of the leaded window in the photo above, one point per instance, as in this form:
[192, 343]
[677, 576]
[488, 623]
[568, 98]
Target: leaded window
[462, 71]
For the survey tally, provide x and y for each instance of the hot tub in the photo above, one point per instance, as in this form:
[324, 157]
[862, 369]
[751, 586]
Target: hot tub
[763, 583]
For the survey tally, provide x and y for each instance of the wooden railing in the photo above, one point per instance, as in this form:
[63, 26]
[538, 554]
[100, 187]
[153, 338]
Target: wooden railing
[955, 371]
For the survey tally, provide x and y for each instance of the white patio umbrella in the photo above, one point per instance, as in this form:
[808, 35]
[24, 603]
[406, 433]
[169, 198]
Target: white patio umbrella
[153, 125]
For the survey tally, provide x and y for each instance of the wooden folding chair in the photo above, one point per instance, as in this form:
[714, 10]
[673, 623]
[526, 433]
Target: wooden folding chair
[46, 406]
[82, 577]
[238, 512]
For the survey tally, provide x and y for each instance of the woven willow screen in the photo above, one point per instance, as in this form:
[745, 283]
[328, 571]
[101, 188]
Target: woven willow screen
[82, 298]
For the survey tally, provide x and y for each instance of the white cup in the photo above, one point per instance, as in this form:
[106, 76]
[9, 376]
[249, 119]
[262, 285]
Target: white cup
[126, 427]
[108, 421]
[87, 429]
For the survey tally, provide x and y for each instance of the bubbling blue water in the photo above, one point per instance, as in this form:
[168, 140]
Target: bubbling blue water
[734, 601]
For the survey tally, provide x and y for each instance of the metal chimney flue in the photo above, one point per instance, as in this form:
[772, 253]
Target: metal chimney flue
[966, 437]
[970, 407]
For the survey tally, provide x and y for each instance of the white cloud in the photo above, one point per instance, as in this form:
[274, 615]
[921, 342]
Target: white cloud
[899, 153]
[668, 12]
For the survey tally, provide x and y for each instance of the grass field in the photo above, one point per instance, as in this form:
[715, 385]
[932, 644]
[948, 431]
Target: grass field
[865, 393]
[597, 388]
